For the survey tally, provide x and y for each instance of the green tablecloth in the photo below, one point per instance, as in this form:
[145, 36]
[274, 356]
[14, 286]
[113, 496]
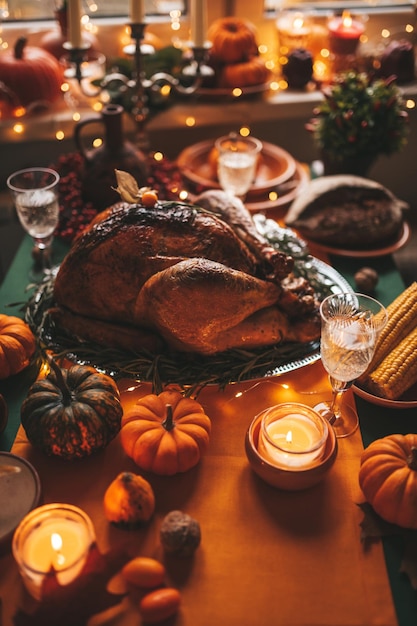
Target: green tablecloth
[375, 421]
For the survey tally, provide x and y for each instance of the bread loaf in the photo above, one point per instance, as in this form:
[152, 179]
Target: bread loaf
[347, 211]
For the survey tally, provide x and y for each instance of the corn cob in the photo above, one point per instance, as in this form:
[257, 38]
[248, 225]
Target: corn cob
[402, 319]
[398, 371]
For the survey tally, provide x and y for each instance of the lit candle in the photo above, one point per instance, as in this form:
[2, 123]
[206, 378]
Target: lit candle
[293, 31]
[292, 436]
[54, 537]
[137, 11]
[344, 33]
[198, 22]
[74, 23]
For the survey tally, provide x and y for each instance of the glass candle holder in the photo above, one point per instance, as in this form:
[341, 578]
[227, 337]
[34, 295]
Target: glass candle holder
[294, 30]
[54, 538]
[292, 436]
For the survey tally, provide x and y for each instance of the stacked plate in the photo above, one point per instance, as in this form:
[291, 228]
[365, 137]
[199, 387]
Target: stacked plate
[278, 177]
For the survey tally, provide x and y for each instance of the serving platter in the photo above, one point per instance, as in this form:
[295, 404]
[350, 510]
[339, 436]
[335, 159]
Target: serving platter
[389, 247]
[191, 370]
[407, 401]
[197, 164]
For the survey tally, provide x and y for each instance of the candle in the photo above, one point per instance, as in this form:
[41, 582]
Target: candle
[292, 436]
[137, 11]
[293, 31]
[198, 22]
[344, 33]
[74, 23]
[54, 537]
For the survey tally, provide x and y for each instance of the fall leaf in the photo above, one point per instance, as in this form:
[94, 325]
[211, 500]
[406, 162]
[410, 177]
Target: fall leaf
[373, 526]
[127, 187]
[409, 562]
[76, 603]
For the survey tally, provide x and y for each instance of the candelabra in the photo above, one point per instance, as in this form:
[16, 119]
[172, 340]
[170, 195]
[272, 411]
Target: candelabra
[139, 89]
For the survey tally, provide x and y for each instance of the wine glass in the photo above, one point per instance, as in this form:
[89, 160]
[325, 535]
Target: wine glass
[236, 163]
[35, 194]
[350, 326]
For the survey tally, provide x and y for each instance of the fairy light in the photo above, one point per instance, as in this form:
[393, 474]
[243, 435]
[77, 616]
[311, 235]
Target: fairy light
[97, 106]
[158, 156]
[283, 84]
[19, 112]
[409, 28]
[175, 19]
[76, 116]
[183, 195]
[65, 87]
[410, 104]
[60, 135]
[237, 92]
[385, 33]
[244, 131]
[97, 142]
[18, 129]
[262, 49]
[274, 85]
[273, 196]
[190, 121]
[165, 90]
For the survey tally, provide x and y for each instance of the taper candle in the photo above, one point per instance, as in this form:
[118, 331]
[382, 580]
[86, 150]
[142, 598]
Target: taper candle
[198, 22]
[137, 11]
[74, 23]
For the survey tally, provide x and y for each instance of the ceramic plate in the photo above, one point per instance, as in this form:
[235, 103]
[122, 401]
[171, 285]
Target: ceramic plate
[20, 488]
[389, 248]
[198, 168]
[407, 401]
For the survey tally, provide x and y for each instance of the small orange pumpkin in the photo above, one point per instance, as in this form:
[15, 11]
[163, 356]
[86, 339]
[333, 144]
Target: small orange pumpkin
[245, 74]
[165, 433]
[31, 73]
[388, 478]
[233, 39]
[17, 345]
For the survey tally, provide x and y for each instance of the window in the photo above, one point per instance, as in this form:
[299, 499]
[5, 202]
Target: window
[40, 10]
[273, 6]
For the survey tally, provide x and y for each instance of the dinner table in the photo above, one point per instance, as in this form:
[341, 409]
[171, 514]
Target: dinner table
[268, 556]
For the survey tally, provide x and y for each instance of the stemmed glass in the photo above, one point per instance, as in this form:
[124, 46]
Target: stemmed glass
[236, 163]
[350, 326]
[35, 194]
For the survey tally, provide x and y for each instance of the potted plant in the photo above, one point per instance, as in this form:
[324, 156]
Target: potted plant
[359, 118]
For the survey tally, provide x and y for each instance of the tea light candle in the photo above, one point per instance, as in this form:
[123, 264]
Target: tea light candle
[344, 33]
[74, 23]
[53, 537]
[292, 436]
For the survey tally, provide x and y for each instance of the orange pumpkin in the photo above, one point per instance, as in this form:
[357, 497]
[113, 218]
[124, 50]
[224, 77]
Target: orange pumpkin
[17, 345]
[233, 39]
[388, 478]
[165, 433]
[245, 74]
[32, 74]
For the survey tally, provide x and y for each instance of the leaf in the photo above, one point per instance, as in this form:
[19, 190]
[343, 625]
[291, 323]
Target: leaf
[76, 603]
[409, 560]
[373, 526]
[127, 187]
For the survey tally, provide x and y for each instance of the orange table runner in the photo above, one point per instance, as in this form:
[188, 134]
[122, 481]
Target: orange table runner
[267, 556]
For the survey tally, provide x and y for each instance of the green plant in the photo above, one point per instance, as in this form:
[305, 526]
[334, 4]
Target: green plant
[360, 116]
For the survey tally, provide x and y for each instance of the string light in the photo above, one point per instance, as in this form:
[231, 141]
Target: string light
[190, 121]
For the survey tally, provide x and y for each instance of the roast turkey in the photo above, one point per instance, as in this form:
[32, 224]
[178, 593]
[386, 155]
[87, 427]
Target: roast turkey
[190, 278]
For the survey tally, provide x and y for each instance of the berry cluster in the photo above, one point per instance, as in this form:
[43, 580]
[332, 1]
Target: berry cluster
[75, 213]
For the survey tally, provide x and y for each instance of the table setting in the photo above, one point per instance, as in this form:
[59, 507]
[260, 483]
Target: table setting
[227, 434]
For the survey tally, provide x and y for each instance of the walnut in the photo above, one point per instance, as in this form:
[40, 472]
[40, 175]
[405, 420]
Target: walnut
[180, 534]
[366, 279]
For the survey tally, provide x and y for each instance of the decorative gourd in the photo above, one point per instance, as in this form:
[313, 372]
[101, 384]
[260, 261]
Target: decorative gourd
[165, 433]
[17, 345]
[129, 500]
[32, 74]
[233, 39]
[72, 412]
[245, 74]
[388, 478]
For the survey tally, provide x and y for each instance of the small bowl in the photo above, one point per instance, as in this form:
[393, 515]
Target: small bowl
[288, 479]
